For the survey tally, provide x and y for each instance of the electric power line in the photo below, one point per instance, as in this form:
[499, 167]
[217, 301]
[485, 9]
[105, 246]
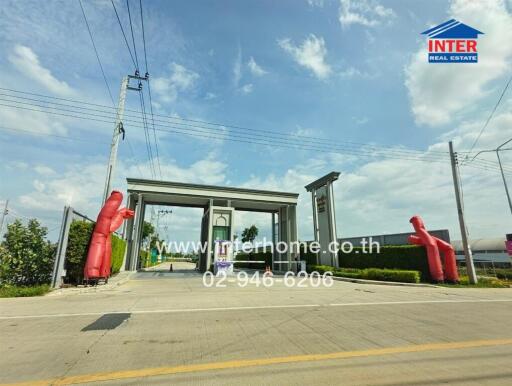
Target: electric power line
[96, 51]
[149, 88]
[133, 37]
[488, 119]
[340, 146]
[124, 35]
[101, 68]
[225, 126]
[201, 135]
[225, 135]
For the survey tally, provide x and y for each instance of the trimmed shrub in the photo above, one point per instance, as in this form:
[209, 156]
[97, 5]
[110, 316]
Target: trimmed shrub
[401, 257]
[80, 233]
[118, 249]
[397, 275]
[392, 275]
[321, 269]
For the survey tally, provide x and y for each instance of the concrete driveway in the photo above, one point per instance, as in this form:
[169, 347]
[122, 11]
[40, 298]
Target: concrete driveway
[170, 329]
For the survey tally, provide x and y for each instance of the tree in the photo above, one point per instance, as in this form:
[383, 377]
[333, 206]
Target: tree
[249, 234]
[147, 230]
[26, 257]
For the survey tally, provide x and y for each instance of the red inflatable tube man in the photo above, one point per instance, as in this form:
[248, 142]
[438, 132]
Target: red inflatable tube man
[434, 245]
[100, 249]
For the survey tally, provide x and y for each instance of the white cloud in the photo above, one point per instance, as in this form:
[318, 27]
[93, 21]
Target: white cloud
[32, 121]
[310, 54]
[364, 12]
[438, 92]
[44, 170]
[361, 120]
[246, 88]
[27, 62]
[81, 184]
[237, 68]
[179, 80]
[255, 68]
[316, 3]
[351, 72]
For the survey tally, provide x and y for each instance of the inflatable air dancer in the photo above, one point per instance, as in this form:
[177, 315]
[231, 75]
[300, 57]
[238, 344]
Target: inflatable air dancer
[99, 256]
[434, 245]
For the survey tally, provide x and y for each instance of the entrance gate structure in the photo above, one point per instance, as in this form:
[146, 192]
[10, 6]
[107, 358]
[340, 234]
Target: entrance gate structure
[219, 204]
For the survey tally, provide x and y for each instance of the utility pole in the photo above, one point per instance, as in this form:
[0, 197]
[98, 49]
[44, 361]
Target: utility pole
[4, 213]
[463, 231]
[118, 129]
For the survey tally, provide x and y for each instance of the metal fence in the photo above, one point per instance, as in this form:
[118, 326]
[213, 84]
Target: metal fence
[59, 271]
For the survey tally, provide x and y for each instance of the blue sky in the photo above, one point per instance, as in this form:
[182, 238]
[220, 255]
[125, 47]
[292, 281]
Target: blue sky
[338, 70]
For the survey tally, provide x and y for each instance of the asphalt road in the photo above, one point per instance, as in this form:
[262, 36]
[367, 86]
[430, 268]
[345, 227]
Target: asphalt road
[161, 328]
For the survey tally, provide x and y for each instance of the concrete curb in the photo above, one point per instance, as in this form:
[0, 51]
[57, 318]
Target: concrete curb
[377, 282]
[115, 281]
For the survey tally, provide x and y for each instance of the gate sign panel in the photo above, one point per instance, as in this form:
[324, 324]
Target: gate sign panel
[324, 218]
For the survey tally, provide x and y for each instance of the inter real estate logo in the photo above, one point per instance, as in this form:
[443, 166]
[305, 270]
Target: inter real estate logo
[452, 42]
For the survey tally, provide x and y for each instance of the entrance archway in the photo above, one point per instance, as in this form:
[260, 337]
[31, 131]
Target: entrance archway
[219, 204]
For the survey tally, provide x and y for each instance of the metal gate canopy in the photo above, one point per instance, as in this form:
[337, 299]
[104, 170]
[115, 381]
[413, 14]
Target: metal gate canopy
[219, 204]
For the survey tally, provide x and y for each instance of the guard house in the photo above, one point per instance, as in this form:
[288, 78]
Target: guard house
[219, 204]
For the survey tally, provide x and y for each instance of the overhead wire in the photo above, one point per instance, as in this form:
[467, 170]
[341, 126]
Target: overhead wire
[133, 37]
[149, 88]
[105, 78]
[488, 120]
[334, 145]
[215, 135]
[199, 132]
[124, 34]
[149, 147]
[236, 128]
[201, 135]
[96, 52]
[146, 134]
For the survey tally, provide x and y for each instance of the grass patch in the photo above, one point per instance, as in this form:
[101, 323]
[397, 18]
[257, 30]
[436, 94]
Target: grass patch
[22, 291]
[483, 282]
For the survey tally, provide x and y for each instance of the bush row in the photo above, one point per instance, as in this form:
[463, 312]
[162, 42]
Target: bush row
[394, 257]
[402, 276]
[80, 233]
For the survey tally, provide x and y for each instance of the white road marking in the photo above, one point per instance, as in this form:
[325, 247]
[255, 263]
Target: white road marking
[247, 308]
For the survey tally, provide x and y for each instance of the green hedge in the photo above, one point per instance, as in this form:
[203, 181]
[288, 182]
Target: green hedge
[118, 249]
[256, 256]
[9, 291]
[401, 257]
[402, 276]
[80, 233]
[504, 273]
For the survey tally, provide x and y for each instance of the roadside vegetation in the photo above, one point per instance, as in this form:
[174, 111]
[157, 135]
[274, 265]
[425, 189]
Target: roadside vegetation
[26, 260]
[396, 275]
[9, 291]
